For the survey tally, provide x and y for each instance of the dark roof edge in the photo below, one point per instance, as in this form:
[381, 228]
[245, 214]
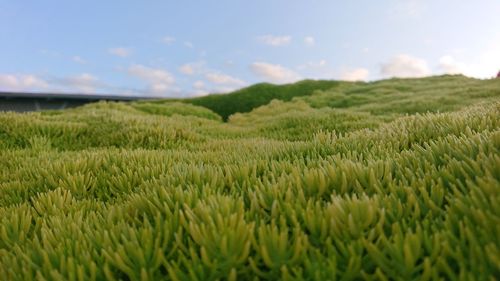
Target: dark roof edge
[75, 96]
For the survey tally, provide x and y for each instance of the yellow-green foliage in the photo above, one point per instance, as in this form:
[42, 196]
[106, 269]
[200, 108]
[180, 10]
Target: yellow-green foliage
[296, 120]
[291, 191]
[171, 108]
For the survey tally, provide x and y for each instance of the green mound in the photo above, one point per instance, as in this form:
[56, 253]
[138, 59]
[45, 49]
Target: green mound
[246, 99]
[390, 180]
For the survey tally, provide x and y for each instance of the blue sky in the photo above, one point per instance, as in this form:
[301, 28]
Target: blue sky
[190, 48]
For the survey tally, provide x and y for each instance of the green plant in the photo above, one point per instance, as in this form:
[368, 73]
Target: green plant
[351, 183]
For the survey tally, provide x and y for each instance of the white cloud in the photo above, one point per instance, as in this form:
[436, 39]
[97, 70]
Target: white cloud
[275, 41]
[215, 80]
[199, 85]
[405, 66]
[159, 81]
[187, 69]
[310, 41]
[82, 83]
[449, 65]
[223, 79]
[189, 45]
[79, 60]
[200, 89]
[17, 82]
[193, 68]
[358, 74]
[274, 73]
[168, 40]
[120, 51]
[486, 64]
[85, 83]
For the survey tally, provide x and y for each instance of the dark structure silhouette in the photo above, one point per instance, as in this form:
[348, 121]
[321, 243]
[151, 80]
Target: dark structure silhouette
[22, 102]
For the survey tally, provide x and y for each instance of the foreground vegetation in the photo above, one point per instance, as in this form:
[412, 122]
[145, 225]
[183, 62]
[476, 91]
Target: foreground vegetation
[391, 180]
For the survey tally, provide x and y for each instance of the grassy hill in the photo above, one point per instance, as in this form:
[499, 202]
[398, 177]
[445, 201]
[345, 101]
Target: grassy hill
[395, 179]
[246, 99]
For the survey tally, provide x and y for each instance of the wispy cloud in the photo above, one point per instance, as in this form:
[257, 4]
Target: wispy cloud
[120, 51]
[274, 73]
[200, 89]
[310, 41]
[224, 79]
[404, 66]
[275, 41]
[22, 82]
[199, 85]
[82, 83]
[187, 69]
[193, 68]
[168, 40]
[356, 74]
[159, 81]
[210, 79]
[189, 45]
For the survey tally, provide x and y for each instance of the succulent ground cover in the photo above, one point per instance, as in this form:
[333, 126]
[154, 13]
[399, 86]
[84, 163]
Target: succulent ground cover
[389, 180]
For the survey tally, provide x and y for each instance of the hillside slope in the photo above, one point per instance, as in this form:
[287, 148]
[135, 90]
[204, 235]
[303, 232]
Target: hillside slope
[443, 93]
[246, 99]
[395, 180]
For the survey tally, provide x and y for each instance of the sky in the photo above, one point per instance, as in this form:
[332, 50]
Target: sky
[192, 48]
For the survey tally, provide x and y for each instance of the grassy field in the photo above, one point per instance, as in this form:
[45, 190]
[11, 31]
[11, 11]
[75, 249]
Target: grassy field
[389, 180]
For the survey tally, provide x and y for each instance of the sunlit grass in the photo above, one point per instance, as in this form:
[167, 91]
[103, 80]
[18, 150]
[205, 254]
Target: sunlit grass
[391, 180]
